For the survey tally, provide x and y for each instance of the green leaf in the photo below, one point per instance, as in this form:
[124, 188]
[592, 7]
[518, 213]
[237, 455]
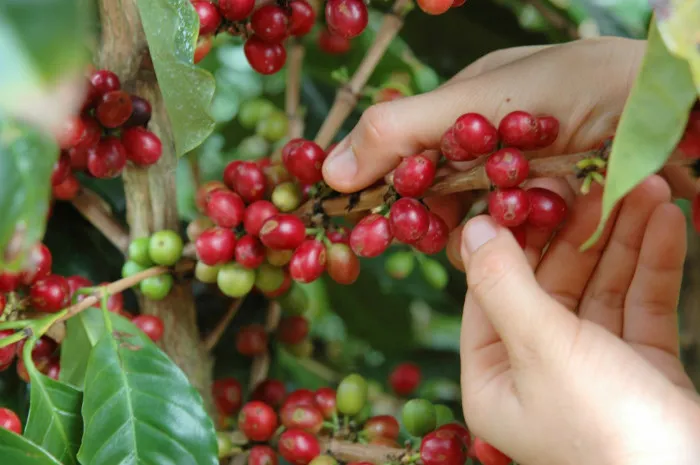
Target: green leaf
[26, 161]
[651, 125]
[15, 449]
[140, 408]
[679, 23]
[82, 333]
[171, 28]
[54, 421]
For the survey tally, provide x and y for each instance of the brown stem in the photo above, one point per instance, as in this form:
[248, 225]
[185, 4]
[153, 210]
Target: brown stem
[261, 363]
[352, 452]
[215, 336]
[193, 160]
[293, 91]
[94, 209]
[347, 96]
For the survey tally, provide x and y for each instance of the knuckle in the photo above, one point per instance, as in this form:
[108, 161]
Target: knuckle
[376, 124]
[489, 269]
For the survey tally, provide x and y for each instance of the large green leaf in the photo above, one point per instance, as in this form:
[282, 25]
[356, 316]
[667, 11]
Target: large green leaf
[17, 450]
[26, 161]
[54, 421]
[140, 408]
[171, 28]
[82, 333]
[679, 23]
[651, 125]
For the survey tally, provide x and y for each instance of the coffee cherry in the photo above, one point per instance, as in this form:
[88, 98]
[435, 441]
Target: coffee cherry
[92, 132]
[442, 448]
[104, 81]
[165, 247]
[414, 176]
[256, 214]
[418, 416]
[225, 208]
[278, 258]
[405, 378]
[249, 252]
[282, 289]
[228, 395]
[114, 109]
[298, 447]
[216, 246]
[338, 235]
[236, 10]
[436, 238]
[346, 18]
[520, 235]
[257, 421]
[301, 397]
[50, 294]
[548, 131]
[39, 264]
[205, 273]
[53, 368]
[274, 127]
[70, 132]
[351, 395]
[286, 197]
[196, 227]
[249, 181]
[292, 329]
[140, 112]
[262, 455]
[409, 220]
[263, 57]
[138, 251]
[151, 325]
[130, 268]
[143, 148]
[458, 3]
[451, 149]
[203, 194]
[689, 145]
[460, 431]
[371, 236]
[283, 231]
[269, 23]
[489, 455]
[303, 417]
[61, 169]
[475, 134]
[385, 426]
[67, 190]
[204, 45]
[507, 168]
[157, 287]
[234, 280]
[333, 44]
[271, 391]
[251, 340]
[107, 159]
[304, 160]
[209, 17]
[342, 264]
[325, 401]
[7, 353]
[9, 281]
[400, 265]
[302, 19]
[10, 421]
[435, 7]
[269, 278]
[443, 415]
[547, 208]
[519, 129]
[509, 207]
[308, 261]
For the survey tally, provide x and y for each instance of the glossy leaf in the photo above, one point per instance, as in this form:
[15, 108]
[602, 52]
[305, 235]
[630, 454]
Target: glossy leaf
[651, 125]
[26, 161]
[15, 449]
[171, 28]
[54, 421]
[679, 23]
[140, 408]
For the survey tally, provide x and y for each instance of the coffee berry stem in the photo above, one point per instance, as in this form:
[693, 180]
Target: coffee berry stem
[261, 363]
[215, 336]
[354, 452]
[93, 208]
[293, 89]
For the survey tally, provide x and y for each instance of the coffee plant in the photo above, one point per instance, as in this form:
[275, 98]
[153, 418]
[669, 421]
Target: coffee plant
[256, 315]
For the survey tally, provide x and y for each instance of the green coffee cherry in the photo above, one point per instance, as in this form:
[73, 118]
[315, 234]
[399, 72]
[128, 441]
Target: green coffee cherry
[303, 349]
[205, 273]
[443, 415]
[286, 197]
[130, 268]
[294, 302]
[253, 148]
[269, 278]
[165, 247]
[435, 274]
[157, 287]
[138, 252]
[273, 127]
[235, 280]
[351, 395]
[400, 264]
[252, 111]
[419, 417]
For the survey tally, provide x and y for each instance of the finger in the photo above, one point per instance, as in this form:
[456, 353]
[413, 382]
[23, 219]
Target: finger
[650, 307]
[604, 298]
[495, 60]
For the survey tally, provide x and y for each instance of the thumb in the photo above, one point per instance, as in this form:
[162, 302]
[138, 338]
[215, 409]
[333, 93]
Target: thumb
[503, 285]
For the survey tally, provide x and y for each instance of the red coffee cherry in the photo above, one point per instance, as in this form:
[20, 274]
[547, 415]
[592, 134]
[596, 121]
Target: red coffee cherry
[304, 160]
[509, 207]
[209, 17]
[460, 431]
[435, 7]
[507, 168]
[92, 132]
[489, 455]
[114, 109]
[107, 159]
[50, 294]
[215, 246]
[519, 129]
[271, 391]
[251, 340]
[262, 455]
[40, 262]
[301, 397]
[249, 181]
[409, 220]
[442, 448]
[151, 325]
[10, 421]
[228, 395]
[520, 235]
[298, 447]
[53, 368]
[548, 131]
[265, 58]
[225, 208]
[204, 44]
[333, 44]
[256, 214]
[70, 132]
[308, 261]
[257, 421]
[451, 149]
[283, 232]
[104, 81]
[143, 148]
[302, 19]
[7, 353]
[547, 208]
[414, 176]
[475, 134]
[140, 112]
[67, 190]
[203, 194]
[385, 426]
[270, 23]
[250, 252]
[292, 329]
[303, 417]
[405, 378]
[338, 235]
[325, 401]
[61, 169]
[9, 281]
[436, 238]
[346, 18]
[236, 10]
[371, 236]
[342, 264]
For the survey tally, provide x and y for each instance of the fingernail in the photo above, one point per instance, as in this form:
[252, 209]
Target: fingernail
[478, 232]
[341, 163]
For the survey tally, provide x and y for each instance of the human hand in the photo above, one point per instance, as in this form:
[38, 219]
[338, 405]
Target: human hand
[577, 361]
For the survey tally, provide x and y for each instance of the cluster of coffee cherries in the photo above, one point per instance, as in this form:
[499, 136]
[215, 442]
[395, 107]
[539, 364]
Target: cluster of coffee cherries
[110, 130]
[162, 248]
[266, 27]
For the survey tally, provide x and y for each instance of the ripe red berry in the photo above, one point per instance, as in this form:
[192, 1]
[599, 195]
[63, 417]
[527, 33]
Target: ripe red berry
[371, 236]
[414, 176]
[204, 193]
[251, 340]
[270, 23]
[228, 395]
[250, 252]
[435, 7]
[61, 169]
[262, 455]
[548, 131]
[283, 231]
[409, 220]
[689, 144]
[204, 44]
[143, 148]
[304, 160]
[325, 401]
[140, 112]
[248, 181]
[10, 421]
[507, 168]
[39, 264]
[436, 238]
[215, 246]
[225, 208]
[114, 109]
[265, 58]
[53, 368]
[385, 426]
[442, 447]
[256, 214]
[257, 421]
[451, 149]
[90, 137]
[7, 353]
[236, 10]
[519, 129]
[292, 329]
[338, 235]
[104, 81]
[475, 134]
[460, 431]
[303, 417]
[302, 19]
[547, 208]
[333, 44]
[68, 189]
[107, 159]
[301, 397]
[298, 447]
[346, 18]
[520, 235]
[342, 264]
[70, 132]
[209, 17]
[405, 378]
[489, 455]
[271, 391]
[76, 282]
[695, 213]
[308, 261]
[50, 294]
[509, 207]
[9, 281]
[151, 325]
[458, 3]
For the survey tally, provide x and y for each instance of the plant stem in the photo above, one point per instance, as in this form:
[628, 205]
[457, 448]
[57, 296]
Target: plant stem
[347, 96]
[94, 209]
[352, 452]
[295, 52]
[215, 336]
[261, 363]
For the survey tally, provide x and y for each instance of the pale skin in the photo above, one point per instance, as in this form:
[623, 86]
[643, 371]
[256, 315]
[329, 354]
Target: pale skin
[568, 357]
